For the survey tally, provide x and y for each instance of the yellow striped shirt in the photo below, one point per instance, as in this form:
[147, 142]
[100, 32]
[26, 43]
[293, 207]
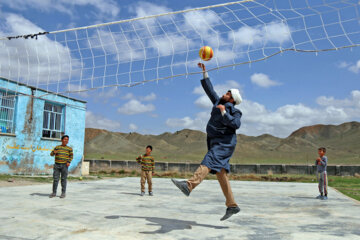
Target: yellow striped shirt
[64, 154]
[147, 162]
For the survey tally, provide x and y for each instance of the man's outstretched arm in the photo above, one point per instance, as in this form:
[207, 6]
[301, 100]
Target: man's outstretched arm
[207, 85]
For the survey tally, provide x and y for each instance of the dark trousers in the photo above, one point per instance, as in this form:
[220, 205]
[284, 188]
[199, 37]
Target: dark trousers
[60, 168]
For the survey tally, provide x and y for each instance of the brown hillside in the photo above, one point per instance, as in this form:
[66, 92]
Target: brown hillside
[342, 142]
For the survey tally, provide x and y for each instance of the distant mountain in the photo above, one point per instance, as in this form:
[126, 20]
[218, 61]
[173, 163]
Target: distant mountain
[342, 142]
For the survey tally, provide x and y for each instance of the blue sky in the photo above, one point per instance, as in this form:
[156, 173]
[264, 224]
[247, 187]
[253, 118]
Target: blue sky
[280, 94]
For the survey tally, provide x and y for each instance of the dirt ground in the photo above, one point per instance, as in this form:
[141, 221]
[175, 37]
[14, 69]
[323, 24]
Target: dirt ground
[18, 182]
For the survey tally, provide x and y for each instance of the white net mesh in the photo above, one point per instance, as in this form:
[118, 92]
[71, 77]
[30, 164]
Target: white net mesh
[135, 51]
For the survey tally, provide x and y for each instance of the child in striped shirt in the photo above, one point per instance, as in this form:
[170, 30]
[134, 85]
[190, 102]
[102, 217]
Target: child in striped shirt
[63, 157]
[147, 169]
[321, 164]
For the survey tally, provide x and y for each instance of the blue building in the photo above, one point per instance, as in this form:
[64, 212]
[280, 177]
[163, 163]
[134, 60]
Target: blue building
[32, 122]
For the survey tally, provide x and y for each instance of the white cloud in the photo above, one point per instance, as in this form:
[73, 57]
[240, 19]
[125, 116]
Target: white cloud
[257, 119]
[355, 68]
[133, 127]
[263, 80]
[225, 56]
[150, 97]
[246, 35]
[343, 64]
[109, 93]
[147, 98]
[352, 67]
[128, 96]
[203, 102]
[197, 123]
[201, 21]
[105, 94]
[353, 101]
[96, 121]
[169, 45]
[286, 119]
[37, 62]
[185, 122]
[135, 107]
[143, 9]
[104, 7]
[275, 32]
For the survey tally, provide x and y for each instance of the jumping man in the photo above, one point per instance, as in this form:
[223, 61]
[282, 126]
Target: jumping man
[221, 142]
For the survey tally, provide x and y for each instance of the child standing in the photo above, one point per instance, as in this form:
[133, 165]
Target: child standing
[321, 164]
[147, 169]
[63, 157]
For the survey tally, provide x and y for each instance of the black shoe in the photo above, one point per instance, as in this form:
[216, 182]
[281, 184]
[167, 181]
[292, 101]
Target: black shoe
[182, 185]
[229, 212]
[63, 195]
[52, 195]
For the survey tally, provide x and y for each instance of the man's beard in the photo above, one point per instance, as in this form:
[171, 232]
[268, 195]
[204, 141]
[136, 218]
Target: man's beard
[222, 101]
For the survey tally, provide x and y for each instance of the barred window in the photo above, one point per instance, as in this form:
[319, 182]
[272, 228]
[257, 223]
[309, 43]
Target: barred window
[53, 120]
[7, 112]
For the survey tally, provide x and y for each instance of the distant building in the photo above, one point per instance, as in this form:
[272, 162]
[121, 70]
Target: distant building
[32, 122]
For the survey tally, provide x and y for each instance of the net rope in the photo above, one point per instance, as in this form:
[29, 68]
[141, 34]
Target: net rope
[135, 51]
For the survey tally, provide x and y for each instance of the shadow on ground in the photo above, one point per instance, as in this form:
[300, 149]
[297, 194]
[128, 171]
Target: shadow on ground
[135, 194]
[15, 238]
[40, 194]
[299, 197]
[168, 224]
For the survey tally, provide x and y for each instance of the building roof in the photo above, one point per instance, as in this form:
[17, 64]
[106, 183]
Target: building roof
[35, 88]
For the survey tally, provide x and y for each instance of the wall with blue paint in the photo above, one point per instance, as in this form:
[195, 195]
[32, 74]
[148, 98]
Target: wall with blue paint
[26, 151]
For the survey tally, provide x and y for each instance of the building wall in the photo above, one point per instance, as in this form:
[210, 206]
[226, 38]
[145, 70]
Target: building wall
[25, 151]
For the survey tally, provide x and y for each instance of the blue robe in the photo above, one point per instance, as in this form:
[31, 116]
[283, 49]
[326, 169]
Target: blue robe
[221, 132]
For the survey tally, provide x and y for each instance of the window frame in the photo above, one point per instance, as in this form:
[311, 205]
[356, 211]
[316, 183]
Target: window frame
[51, 127]
[10, 117]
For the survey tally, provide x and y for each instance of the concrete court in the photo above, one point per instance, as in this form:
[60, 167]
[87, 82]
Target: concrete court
[113, 209]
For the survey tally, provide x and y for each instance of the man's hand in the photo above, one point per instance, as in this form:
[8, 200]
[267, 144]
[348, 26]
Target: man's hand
[202, 66]
[55, 152]
[67, 164]
[153, 173]
[221, 107]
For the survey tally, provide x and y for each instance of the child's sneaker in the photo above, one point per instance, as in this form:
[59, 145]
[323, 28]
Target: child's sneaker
[325, 198]
[319, 197]
[52, 195]
[142, 193]
[151, 194]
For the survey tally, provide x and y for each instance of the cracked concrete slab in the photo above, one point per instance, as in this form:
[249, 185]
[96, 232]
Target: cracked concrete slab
[113, 209]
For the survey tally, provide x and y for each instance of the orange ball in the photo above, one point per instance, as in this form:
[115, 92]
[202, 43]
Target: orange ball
[206, 53]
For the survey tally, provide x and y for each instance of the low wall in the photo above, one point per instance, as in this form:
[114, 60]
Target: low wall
[338, 170]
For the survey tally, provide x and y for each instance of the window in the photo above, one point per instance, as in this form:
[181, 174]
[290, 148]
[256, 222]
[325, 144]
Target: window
[7, 112]
[53, 120]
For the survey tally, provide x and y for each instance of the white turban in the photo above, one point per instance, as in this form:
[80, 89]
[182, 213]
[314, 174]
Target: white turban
[236, 96]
